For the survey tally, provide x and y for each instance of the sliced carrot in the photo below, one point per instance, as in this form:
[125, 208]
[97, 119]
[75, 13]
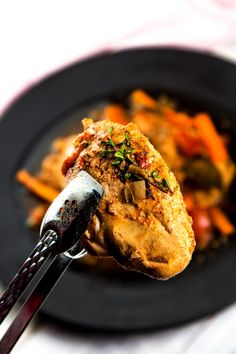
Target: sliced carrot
[210, 138]
[221, 221]
[178, 118]
[188, 143]
[184, 133]
[146, 121]
[36, 215]
[140, 99]
[36, 186]
[116, 113]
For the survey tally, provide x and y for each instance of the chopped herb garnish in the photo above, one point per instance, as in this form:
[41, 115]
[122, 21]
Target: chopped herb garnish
[127, 175]
[129, 158]
[133, 176]
[127, 137]
[123, 148]
[164, 183]
[137, 176]
[155, 175]
[116, 162]
[105, 153]
[161, 184]
[130, 150]
[109, 130]
[110, 142]
[119, 155]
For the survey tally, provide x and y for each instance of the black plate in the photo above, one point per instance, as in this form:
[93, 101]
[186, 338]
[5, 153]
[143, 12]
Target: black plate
[54, 107]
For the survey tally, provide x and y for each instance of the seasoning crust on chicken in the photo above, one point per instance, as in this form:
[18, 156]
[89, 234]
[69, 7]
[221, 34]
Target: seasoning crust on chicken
[141, 221]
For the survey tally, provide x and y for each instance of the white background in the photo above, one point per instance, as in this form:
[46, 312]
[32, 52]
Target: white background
[38, 38]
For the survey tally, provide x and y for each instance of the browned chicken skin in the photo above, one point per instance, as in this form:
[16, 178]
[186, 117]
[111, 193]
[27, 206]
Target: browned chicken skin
[141, 221]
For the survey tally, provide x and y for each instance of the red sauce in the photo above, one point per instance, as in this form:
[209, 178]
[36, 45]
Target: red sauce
[142, 160]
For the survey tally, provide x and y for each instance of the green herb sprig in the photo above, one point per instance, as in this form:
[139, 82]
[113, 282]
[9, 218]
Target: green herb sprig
[122, 153]
[119, 154]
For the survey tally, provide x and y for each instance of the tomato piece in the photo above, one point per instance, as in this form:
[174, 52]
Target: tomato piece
[202, 226]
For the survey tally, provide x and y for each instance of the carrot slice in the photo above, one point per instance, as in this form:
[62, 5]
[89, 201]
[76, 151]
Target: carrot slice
[36, 215]
[36, 186]
[210, 138]
[179, 119]
[221, 221]
[115, 113]
[187, 142]
[140, 99]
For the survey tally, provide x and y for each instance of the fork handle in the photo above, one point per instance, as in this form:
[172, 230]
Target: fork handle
[26, 273]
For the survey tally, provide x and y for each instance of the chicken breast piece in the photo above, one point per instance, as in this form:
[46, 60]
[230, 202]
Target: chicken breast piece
[141, 221]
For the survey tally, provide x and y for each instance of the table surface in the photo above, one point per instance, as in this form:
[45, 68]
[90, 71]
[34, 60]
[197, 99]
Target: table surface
[38, 38]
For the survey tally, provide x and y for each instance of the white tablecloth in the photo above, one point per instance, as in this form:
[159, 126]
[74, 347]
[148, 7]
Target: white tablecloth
[39, 37]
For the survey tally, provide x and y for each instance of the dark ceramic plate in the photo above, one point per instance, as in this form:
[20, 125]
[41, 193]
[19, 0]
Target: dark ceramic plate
[54, 107]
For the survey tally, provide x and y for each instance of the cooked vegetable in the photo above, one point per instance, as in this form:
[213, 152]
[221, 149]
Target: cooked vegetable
[36, 215]
[178, 119]
[206, 198]
[221, 221]
[227, 173]
[140, 99]
[137, 172]
[210, 138]
[116, 113]
[202, 172]
[50, 172]
[202, 226]
[135, 191]
[118, 152]
[36, 186]
[188, 142]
